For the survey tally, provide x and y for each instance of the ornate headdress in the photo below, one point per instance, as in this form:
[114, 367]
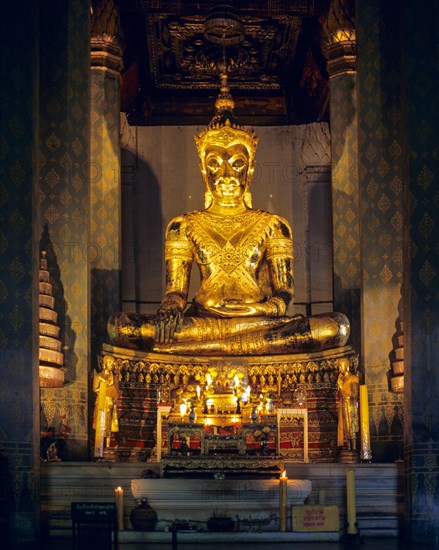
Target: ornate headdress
[224, 130]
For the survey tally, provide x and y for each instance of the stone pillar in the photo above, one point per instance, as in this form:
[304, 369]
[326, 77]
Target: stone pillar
[105, 194]
[340, 38]
[19, 386]
[64, 206]
[419, 34]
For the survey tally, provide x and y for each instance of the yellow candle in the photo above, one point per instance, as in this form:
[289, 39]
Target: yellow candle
[283, 501]
[351, 507]
[366, 453]
[118, 497]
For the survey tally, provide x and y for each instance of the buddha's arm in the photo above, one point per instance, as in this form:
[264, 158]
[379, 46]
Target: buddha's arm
[178, 257]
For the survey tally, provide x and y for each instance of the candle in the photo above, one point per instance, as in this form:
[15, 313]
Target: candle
[283, 501]
[183, 410]
[350, 497]
[198, 389]
[118, 497]
[366, 453]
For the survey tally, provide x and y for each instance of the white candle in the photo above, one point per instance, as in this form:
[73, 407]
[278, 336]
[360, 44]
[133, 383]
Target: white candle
[283, 501]
[118, 497]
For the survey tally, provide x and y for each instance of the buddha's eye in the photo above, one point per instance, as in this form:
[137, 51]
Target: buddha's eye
[213, 165]
[238, 164]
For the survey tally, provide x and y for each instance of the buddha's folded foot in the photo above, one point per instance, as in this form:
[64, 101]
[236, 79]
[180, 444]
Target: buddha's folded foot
[130, 330]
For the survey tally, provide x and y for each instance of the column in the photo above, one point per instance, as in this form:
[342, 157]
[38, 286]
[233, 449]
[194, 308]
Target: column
[105, 193]
[64, 207]
[381, 166]
[419, 33]
[19, 398]
[341, 66]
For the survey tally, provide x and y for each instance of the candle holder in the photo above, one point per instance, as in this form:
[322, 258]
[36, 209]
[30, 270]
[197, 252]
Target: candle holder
[366, 456]
[351, 539]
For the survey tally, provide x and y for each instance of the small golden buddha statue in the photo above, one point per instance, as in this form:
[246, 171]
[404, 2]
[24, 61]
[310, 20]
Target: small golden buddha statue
[245, 259]
[348, 388]
[105, 421]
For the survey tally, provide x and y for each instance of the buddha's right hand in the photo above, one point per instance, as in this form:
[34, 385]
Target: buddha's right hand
[169, 318]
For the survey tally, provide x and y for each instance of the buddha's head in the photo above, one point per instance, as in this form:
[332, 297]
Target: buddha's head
[226, 152]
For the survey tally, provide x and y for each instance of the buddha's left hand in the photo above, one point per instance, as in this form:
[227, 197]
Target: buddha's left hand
[242, 309]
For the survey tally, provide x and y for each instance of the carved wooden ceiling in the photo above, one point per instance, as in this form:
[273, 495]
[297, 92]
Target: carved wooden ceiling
[174, 50]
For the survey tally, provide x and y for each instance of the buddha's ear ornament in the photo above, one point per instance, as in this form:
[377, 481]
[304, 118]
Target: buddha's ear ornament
[208, 199]
[248, 199]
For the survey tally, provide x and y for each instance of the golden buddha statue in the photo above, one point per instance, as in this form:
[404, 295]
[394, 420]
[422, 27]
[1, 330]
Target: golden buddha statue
[245, 259]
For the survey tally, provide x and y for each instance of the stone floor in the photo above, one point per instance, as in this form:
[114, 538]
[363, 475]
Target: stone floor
[370, 543]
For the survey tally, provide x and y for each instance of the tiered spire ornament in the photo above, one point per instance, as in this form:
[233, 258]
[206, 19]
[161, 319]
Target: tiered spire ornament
[51, 357]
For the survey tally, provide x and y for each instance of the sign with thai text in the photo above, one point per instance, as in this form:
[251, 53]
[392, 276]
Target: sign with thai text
[93, 511]
[315, 518]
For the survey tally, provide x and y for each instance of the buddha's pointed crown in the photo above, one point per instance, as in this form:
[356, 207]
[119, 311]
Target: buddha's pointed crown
[224, 129]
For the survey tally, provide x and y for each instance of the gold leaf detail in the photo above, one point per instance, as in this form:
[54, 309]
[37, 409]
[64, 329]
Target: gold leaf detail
[427, 273]
[426, 225]
[396, 185]
[425, 178]
[386, 275]
[384, 203]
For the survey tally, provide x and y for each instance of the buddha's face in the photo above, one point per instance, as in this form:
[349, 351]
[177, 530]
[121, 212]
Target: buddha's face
[227, 172]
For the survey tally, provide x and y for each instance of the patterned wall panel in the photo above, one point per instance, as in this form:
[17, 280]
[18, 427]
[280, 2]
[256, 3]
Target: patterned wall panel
[420, 32]
[19, 425]
[381, 171]
[64, 200]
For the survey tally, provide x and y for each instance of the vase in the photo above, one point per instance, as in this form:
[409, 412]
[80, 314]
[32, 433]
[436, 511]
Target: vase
[143, 517]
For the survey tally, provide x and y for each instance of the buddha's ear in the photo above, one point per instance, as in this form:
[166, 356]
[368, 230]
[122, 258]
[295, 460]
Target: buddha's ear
[203, 171]
[250, 171]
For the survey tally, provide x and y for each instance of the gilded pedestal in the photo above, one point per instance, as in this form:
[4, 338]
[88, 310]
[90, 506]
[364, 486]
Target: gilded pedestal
[146, 378]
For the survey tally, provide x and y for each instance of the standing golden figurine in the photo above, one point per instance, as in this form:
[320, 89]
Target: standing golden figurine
[348, 389]
[105, 421]
[245, 259]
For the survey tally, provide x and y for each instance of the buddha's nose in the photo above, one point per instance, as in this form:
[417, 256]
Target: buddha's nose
[226, 170]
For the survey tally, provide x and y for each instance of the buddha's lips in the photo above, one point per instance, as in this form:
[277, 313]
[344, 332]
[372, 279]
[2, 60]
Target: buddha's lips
[228, 185]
